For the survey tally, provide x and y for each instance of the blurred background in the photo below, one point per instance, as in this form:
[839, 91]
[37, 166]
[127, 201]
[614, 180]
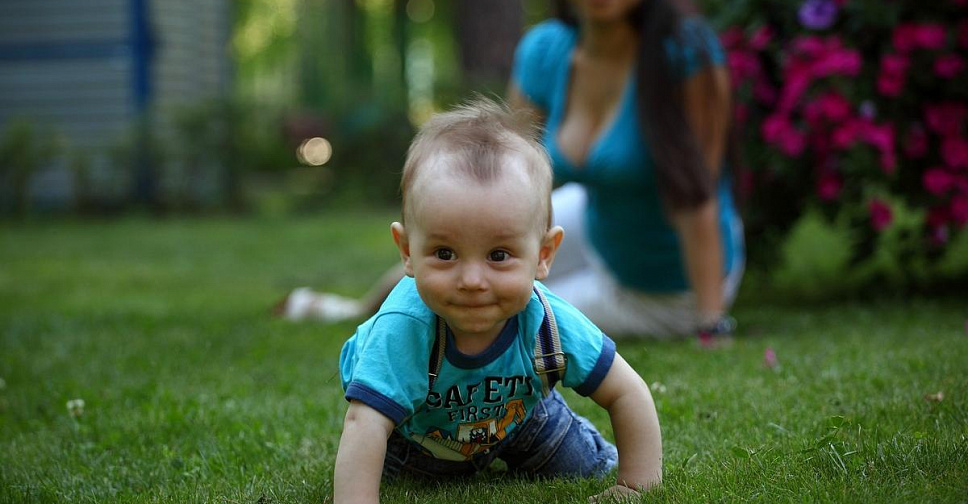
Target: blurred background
[851, 117]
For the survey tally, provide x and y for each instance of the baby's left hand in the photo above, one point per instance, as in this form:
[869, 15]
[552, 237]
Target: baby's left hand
[617, 493]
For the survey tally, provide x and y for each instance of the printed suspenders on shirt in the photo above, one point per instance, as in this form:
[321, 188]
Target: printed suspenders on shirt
[549, 359]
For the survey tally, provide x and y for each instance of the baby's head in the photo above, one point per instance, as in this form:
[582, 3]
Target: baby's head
[479, 142]
[476, 228]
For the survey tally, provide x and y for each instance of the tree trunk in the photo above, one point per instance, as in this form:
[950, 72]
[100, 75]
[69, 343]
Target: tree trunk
[487, 33]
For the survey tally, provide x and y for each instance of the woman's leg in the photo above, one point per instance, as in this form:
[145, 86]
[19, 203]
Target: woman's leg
[306, 304]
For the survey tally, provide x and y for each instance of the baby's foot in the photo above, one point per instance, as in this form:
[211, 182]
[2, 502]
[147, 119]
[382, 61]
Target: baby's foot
[304, 304]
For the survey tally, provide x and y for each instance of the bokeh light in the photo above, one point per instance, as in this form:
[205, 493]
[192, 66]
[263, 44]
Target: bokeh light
[314, 151]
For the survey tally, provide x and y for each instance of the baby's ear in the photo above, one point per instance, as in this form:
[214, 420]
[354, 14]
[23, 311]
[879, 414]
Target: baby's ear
[403, 243]
[549, 247]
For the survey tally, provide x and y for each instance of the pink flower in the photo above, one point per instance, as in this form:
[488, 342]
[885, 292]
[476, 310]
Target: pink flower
[797, 82]
[793, 142]
[947, 66]
[829, 185]
[773, 127]
[834, 107]
[769, 358]
[937, 222]
[880, 213]
[810, 46]
[910, 36]
[937, 181]
[846, 134]
[890, 81]
[732, 37]
[838, 62]
[777, 130]
[743, 65]
[954, 152]
[916, 142]
[761, 38]
[945, 118]
[959, 210]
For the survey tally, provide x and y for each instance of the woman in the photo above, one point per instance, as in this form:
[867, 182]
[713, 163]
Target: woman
[636, 102]
[635, 99]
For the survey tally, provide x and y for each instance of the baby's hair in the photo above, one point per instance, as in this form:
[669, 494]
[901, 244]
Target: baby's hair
[477, 136]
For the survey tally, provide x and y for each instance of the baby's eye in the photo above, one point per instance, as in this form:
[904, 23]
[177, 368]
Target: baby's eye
[499, 256]
[444, 254]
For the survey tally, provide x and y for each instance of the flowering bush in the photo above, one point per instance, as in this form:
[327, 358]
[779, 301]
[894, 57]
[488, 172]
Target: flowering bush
[856, 110]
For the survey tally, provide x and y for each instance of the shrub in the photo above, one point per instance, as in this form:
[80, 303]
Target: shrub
[854, 111]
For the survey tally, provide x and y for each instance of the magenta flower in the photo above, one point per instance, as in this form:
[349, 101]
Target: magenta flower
[945, 118]
[834, 107]
[910, 36]
[797, 81]
[761, 38]
[937, 181]
[845, 135]
[810, 46]
[829, 185]
[959, 210]
[732, 38]
[779, 131]
[916, 142]
[947, 66]
[937, 222]
[890, 81]
[769, 359]
[818, 14]
[881, 216]
[838, 62]
[743, 65]
[954, 152]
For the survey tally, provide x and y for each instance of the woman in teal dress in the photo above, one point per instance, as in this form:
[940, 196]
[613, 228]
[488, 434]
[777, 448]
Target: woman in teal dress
[635, 99]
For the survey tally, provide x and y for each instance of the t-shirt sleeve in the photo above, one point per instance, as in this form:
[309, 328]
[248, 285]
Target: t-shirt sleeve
[536, 59]
[696, 47]
[589, 352]
[379, 365]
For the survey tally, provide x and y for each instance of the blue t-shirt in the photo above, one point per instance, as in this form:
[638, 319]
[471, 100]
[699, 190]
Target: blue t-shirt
[624, 218]
[476, 401]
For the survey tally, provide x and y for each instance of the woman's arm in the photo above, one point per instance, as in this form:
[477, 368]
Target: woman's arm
[706, 98]
[359, 461]
[635, 422]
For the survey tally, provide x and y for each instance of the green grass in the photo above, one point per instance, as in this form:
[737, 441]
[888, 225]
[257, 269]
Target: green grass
[193, 393]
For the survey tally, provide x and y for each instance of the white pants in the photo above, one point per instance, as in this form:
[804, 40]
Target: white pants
[580, 277]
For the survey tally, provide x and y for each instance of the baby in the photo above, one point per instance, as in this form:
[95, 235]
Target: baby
[458, 366]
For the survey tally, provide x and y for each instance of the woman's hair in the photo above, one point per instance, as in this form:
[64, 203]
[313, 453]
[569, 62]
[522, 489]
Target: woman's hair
[684, 180]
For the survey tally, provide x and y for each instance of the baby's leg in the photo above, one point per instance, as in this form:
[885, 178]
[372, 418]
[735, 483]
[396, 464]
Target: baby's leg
[556, 441]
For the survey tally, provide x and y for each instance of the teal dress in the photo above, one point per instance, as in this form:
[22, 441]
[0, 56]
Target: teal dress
[625, 222]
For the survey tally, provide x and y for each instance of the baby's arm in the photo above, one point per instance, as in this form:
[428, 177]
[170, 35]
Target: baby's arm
[359, 461]
[636, 425]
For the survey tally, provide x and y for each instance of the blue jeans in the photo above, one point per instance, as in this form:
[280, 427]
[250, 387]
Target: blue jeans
[554, 441]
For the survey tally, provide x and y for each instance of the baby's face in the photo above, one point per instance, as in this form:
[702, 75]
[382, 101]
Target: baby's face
[475, 249]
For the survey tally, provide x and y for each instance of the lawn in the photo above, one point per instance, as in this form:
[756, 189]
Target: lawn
[192, 393]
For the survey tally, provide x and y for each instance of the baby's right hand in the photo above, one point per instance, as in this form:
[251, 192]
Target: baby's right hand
[617, 493]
